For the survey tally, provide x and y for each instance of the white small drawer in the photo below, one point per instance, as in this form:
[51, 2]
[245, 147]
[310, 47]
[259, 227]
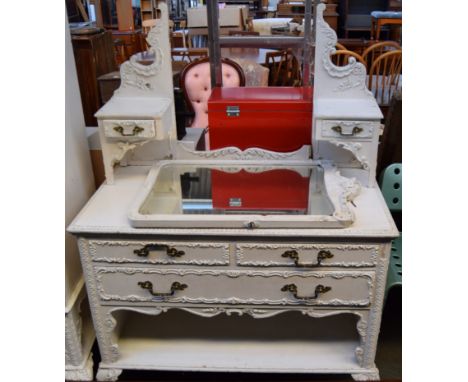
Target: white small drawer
[147, 285]
[159, 252]
[306, 256]
[129, 129]
[357, 130]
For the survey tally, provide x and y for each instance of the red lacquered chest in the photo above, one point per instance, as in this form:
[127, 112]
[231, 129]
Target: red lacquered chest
[269, 191]
[271, 118]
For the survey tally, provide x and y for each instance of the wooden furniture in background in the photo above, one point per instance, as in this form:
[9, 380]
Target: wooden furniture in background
[375, 50]
[355, 15]
[385, 77]
[379, 19]
[125, 15]
[148, 10]
[341, 57]
[243, 33]
[133, 42]
[284, 69]
[94, 56]
[188, 54]
[390, 150]
[148, 24]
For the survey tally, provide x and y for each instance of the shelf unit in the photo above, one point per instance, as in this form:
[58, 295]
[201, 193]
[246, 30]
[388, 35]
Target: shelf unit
[148, 9]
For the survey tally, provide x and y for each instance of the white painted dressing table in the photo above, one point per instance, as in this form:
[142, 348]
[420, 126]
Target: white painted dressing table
[254, 293]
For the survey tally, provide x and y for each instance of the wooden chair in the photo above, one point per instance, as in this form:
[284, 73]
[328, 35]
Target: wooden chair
[284, 69]
[341, 57]
[339, 46]
[385, 76]
[375, 50]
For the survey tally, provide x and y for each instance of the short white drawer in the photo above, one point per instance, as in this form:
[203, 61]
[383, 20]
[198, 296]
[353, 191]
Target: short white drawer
[146, 285]
[159, 252]
[129, 129]
[357, 130]
[306, 255]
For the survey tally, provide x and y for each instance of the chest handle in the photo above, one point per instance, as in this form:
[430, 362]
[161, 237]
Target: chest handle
[339, 130]
[174, 287]
[319, 289]
[170, 251]
[321, 255]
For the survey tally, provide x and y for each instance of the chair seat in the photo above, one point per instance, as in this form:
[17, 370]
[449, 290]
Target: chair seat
[386, 15]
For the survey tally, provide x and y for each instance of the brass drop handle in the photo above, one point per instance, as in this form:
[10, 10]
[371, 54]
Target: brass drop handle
[339, 130]
[293, 289]
[322, 255]
[174, 287]
[170, 251]
[135, 131]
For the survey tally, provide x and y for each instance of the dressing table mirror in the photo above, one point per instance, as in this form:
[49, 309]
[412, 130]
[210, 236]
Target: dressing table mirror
[236, 260]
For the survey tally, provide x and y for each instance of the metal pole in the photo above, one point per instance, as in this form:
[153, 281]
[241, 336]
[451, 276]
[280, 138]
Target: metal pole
[214, 50]
[309, 40]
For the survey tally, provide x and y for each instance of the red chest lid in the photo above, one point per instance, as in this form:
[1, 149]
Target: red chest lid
[271, 99]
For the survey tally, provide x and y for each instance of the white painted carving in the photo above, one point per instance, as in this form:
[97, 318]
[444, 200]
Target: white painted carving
[355, 149]
[105, 374]
[234, 153]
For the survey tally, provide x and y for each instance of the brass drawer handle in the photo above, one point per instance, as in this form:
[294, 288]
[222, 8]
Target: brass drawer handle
[170, 251]
[322, 255]
[339, 130]
[135, 131]
[293, 289]
[174, 287]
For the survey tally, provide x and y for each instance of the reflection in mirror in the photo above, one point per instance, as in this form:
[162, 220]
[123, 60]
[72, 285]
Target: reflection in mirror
[238, 190]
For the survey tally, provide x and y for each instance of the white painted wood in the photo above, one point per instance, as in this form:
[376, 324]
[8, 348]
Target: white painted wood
[231, 272]
[79, 185]
[339, 191]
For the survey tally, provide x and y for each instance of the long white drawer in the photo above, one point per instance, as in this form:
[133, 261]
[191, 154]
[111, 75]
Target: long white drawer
[137, 285]
[306, 255]
[159, 252]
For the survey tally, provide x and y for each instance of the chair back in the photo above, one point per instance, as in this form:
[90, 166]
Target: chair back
[284, 69]
[341, 57]
[195, 80]
[339, 46]
[391, 185]
[375, 50]
[385, 76]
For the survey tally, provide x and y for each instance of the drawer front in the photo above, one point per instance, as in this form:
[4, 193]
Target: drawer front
[306, 255]
[119, 285]
[129, 129]
[159, 252]
[356, 130]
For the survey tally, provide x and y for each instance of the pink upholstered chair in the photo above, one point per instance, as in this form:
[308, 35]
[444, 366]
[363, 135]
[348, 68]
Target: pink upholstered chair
[196, 83]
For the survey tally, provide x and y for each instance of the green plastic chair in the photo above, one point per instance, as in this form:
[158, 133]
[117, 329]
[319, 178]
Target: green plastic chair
[391, 186]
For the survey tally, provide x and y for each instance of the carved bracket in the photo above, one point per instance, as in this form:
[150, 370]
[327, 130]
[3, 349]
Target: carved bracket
[355, 149]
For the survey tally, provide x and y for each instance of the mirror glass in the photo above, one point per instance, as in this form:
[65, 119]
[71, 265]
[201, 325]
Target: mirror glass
[238, 190]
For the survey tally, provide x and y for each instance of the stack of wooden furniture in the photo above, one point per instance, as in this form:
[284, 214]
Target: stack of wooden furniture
[295, 9]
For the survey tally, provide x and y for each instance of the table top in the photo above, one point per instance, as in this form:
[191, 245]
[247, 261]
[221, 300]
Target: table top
[107, 212]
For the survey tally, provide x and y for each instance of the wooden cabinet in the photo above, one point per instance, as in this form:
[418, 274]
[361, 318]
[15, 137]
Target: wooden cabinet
[94, 56]
[148, 9]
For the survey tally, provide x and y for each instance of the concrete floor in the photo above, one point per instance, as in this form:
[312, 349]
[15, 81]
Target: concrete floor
[388, 358]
